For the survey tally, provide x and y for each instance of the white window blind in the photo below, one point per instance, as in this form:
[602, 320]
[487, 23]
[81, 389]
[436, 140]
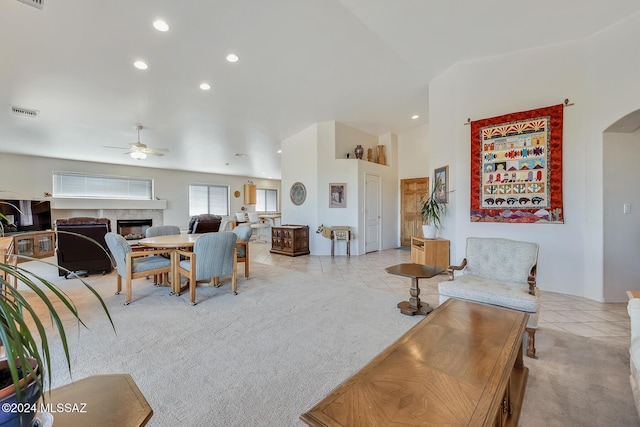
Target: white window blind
[208, 199]
[70, 184]
[266, 200]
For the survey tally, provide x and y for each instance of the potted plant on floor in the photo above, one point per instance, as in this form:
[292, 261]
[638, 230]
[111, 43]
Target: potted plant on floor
[27, 350]
[432, 210]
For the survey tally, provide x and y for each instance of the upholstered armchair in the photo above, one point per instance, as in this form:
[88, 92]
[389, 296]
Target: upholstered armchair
[132, 265]
[214, 255]
[79, 255]
[204, 223]
[242, 245]
[500, 272]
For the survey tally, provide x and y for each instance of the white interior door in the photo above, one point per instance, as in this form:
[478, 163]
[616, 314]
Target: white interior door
[372, 213]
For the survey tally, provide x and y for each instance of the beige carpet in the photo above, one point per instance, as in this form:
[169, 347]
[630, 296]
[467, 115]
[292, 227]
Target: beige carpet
[287, 339]
[578, 381]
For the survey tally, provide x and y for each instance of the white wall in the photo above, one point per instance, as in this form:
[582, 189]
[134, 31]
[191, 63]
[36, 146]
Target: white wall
[299, 154]
[413, 153]
[31, 177]
[599, 75]
[314, 157]
[621, 231]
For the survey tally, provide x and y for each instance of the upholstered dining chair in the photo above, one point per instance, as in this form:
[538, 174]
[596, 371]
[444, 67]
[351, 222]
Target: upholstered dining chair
[244, 233]
[214, 255]
[161, 230]
[256, 224]
[132, 265]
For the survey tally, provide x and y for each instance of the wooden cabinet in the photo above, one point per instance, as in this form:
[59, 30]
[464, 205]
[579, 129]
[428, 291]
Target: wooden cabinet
[249, 194]
[430, 252]
[37, 244]
[288, 239]
[7, 256]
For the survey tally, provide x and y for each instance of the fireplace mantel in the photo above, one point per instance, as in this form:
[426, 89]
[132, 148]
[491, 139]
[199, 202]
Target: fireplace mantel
[78, 203]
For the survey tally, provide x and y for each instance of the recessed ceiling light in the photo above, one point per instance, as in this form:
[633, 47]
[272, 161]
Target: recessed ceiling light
[140, 65]
[205, 86]
[415, 116]
[232, 57]
[279, 151]
[160, 25]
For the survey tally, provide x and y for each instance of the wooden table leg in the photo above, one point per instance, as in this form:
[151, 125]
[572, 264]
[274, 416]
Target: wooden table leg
[414, 306]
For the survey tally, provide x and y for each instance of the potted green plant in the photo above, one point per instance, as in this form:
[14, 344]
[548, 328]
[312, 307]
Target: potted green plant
[28, 350]
[432, 212]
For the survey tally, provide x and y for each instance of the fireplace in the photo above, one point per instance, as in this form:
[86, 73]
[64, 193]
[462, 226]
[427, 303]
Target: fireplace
[133, 229]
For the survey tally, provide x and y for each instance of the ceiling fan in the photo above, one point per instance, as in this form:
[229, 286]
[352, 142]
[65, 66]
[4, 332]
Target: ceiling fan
[138, 150]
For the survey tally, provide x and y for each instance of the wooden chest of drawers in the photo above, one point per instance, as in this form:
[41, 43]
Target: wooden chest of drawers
[289, 239]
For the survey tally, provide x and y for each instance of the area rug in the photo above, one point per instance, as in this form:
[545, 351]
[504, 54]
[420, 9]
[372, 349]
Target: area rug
[268, 354]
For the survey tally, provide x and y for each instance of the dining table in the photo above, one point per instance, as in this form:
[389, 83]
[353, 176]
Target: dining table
[174, 242]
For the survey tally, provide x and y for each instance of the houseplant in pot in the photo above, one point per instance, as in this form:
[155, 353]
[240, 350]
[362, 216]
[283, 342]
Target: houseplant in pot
[432, 212]
[25, 340]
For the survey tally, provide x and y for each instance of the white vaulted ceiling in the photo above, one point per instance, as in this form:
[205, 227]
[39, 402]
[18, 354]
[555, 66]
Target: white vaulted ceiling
[365, 63]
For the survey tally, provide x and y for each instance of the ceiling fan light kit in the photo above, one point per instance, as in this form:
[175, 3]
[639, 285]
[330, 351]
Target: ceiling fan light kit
[138, 150]
[138, 155]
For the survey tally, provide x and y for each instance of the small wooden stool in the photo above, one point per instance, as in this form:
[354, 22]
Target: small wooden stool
[338, 233]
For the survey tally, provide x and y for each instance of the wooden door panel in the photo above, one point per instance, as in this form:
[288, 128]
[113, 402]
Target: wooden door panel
[411, 193]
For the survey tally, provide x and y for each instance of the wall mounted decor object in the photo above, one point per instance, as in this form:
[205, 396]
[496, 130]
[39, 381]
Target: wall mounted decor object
[441, 181]
[298, 193]
[338, 195]
[516, 167]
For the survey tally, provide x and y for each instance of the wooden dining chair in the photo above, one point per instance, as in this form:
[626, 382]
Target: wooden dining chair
[244, 233]
[161, 230]
[214, 255]
[132, 265]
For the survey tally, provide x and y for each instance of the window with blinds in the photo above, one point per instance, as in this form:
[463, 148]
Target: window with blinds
[266, 200]
[70, 184]
[208, 199]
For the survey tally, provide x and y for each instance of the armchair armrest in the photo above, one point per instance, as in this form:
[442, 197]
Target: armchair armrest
[453, 268]
[531, 280]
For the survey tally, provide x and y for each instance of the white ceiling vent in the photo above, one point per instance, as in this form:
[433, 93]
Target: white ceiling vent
[35, 3]
[25, 112]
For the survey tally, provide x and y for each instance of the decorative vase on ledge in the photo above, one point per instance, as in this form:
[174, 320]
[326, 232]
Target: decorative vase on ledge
[381, 157]
[359, 151]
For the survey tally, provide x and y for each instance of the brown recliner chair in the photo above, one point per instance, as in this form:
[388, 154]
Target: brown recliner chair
[204, 223]
[79, 255]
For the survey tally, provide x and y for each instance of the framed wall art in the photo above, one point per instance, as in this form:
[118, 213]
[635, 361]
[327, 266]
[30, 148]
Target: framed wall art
[441, 182]
[337, 195]
[516, 167]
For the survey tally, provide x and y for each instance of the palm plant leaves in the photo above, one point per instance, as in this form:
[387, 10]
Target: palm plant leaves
[18, 339]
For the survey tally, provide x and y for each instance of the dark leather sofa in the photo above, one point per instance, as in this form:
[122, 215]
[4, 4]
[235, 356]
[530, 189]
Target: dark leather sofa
[204, 223]
[78, 254]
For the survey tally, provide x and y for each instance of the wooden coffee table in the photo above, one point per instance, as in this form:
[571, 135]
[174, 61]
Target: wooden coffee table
[460, 366]
[415, 271]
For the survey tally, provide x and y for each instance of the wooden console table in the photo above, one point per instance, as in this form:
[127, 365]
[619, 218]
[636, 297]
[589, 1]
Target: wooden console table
[289, 239]
[461, 365]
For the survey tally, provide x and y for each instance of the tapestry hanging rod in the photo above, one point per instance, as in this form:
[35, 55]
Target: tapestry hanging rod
[566, 104]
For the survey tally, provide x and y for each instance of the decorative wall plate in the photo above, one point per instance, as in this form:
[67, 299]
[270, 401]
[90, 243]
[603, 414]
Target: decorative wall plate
[298, 193]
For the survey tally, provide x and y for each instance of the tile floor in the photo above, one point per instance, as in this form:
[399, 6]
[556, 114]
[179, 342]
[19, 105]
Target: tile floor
[577, 315]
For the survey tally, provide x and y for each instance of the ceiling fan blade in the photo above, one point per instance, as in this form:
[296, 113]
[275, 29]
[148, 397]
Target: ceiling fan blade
[159, 152]
[117, 148]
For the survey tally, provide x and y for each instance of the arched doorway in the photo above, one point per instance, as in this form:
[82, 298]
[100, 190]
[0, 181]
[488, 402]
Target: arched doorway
[621, 207]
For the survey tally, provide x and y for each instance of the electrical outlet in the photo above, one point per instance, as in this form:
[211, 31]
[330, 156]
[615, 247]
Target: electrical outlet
[626, 208]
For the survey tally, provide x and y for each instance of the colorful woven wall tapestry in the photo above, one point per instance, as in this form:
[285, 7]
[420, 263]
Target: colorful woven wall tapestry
[516, 167]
